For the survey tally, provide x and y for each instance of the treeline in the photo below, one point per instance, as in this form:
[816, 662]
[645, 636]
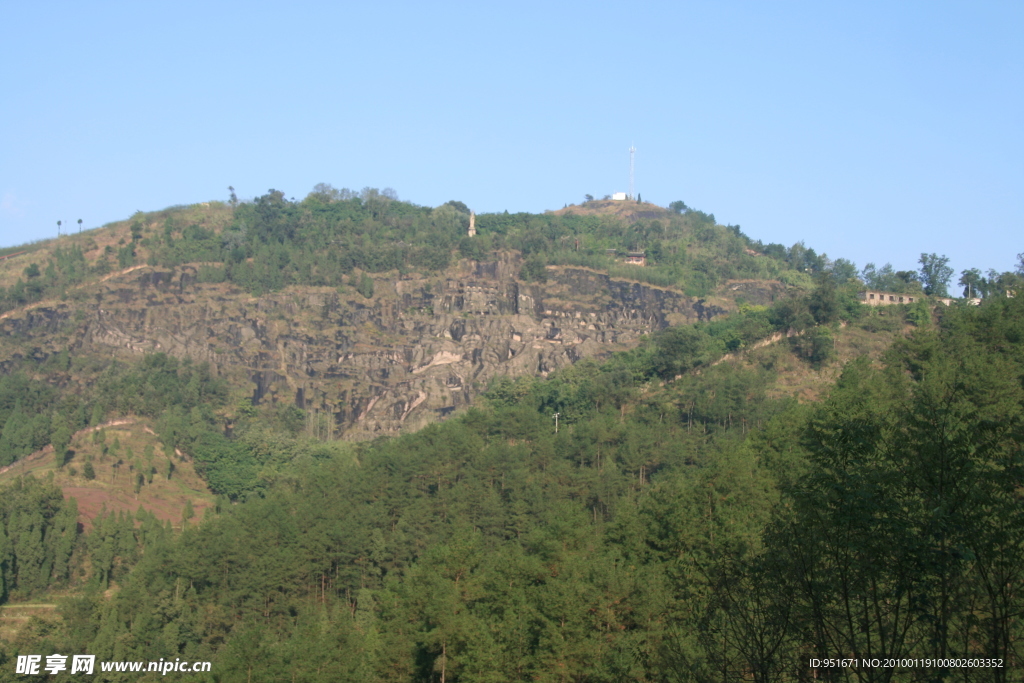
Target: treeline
[324, 239]
[935, 274]
[335, 237]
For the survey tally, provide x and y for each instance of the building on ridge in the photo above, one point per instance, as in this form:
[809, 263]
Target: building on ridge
[877, 298]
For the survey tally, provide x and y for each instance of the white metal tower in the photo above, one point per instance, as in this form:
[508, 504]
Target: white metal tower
[632, 153]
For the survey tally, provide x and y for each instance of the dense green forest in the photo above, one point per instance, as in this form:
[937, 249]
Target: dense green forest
[680, 525]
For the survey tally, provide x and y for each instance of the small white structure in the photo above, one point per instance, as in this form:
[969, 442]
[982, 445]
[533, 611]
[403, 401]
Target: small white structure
[619, 197]
[472, 224]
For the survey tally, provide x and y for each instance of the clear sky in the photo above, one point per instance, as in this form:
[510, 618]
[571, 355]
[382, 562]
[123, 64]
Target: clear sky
[870, 130]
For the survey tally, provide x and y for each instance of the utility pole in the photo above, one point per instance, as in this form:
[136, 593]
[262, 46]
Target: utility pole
[632, 154]
[556, 421]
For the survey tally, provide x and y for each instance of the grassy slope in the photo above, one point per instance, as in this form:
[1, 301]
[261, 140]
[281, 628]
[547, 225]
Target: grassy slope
[799, 379]
[15, 617]
[113, 489]
[94, 242]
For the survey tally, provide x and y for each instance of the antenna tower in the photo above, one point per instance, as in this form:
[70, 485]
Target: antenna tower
[632, 153]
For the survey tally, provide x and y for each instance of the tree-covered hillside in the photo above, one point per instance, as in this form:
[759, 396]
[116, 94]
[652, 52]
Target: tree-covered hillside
[724, 501]
[679, 524]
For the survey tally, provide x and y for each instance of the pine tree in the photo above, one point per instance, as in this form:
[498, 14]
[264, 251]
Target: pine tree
[5, 561]
[60, 439]
[365, 286]
[26, 528]
[62, 535]
[12, 444]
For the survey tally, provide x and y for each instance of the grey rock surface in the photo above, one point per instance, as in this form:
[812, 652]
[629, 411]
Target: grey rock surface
[419, 349]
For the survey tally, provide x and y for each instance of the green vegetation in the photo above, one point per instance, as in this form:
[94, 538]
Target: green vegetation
[665, 514]
[272, 242]
[38, 533]
[34, 413]
[690, 529]
[65, 269]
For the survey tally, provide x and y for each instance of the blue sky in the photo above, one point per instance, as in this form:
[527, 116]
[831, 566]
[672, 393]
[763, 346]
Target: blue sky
[870, 130]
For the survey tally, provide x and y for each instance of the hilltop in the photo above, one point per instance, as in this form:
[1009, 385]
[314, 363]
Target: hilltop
[372, 314]
[627, 210]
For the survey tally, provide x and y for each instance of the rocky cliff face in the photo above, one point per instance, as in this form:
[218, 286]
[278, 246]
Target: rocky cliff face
[414, 352]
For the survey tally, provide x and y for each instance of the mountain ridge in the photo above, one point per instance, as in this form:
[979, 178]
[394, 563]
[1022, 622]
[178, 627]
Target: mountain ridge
[369, 337]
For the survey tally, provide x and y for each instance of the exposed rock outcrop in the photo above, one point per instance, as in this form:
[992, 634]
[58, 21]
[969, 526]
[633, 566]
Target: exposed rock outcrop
[414, 352]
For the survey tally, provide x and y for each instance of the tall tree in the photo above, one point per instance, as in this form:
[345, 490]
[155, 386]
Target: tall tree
[16, 436]
[5, 563]
[935, 274]
[60, 439]
[973, 283]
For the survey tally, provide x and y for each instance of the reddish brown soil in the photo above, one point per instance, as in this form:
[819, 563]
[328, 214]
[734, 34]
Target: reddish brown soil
[113, 488]
[92, 501]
